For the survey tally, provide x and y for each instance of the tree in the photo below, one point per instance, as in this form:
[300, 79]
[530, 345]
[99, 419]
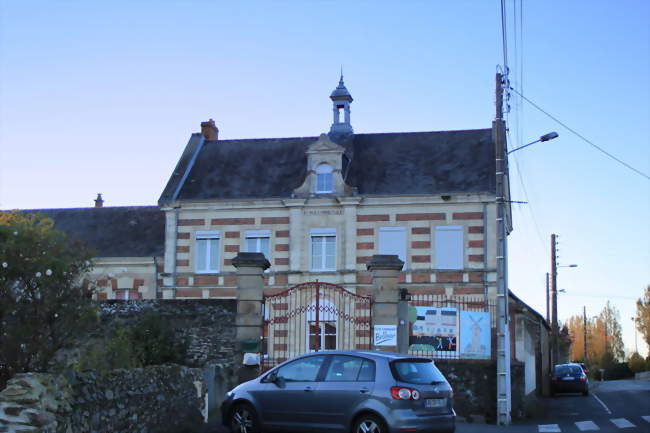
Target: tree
[604, 339]
[610, 319]
[642, 319]
[636, 363]
[44, 300]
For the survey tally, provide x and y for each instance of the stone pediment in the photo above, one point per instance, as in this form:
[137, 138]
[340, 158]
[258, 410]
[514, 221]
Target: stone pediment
[325, 145]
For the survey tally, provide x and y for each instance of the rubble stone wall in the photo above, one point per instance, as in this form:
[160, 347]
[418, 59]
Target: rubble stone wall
[207, 325]
[475, 388]
[174, 397]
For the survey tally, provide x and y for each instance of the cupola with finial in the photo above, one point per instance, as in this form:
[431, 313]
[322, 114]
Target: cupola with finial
[341, 100]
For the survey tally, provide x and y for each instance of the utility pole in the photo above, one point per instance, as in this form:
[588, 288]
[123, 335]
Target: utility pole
[554, 328]
[503, 340]
[584, 330]
[548, 314]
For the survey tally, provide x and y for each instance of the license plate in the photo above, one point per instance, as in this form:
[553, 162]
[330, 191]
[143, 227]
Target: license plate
[567, 378]
[435, 402]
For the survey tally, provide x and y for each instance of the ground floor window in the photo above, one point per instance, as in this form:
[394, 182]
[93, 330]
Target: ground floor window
[322, 336]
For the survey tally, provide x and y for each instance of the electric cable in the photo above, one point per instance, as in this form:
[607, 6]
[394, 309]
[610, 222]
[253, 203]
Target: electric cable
[581, 136]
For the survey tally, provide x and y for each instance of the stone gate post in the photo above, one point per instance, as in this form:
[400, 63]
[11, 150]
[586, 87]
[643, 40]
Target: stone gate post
[385, 271]
[249, 319]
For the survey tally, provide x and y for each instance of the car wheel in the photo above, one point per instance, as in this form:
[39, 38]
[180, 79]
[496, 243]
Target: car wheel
[585, 392]
[243, 419]
[369, 424]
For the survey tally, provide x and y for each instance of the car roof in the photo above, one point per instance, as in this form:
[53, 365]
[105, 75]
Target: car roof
[390, 356]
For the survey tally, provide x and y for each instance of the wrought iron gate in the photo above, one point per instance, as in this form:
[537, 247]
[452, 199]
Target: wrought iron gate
[311, 317]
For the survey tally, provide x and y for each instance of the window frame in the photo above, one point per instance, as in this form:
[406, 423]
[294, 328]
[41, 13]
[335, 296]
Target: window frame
[436, 256]
[329, 172]
[207, 235]
[400, 229]
[258, 234]
[322, 233]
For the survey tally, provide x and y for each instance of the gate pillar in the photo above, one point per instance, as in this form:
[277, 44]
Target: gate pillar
[385, 271]
[250, 318]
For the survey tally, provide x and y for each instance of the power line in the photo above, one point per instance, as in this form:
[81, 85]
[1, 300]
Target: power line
[581, 136]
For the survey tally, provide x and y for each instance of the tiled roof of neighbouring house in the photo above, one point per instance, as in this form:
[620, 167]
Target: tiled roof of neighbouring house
[134, 231]
[443, 162]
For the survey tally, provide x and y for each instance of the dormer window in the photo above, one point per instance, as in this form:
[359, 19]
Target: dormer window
[324, 179]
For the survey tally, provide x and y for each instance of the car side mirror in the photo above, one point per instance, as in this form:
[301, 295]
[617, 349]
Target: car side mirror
[278, 380]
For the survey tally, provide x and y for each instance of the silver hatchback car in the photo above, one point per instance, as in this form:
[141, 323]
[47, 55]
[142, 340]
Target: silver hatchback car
[343, 391]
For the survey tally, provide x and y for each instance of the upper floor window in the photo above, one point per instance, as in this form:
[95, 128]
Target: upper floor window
[392, 240]
[257, 241]
[324, 178]
[207, 252]
[449, 247]
[323, 249]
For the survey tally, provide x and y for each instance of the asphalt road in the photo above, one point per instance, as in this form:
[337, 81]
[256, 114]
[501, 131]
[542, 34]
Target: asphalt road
[621, 406]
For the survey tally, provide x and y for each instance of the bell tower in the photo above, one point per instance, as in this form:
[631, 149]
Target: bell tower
[341, 100]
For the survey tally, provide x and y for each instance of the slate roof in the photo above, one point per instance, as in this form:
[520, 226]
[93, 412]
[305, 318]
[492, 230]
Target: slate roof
[135, 231]
[443, 162]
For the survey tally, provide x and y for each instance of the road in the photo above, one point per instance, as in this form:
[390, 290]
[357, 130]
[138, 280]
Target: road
[621, 406]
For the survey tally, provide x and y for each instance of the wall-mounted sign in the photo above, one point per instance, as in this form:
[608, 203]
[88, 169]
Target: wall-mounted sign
[475, 335]
[323, 212]
[385, 335]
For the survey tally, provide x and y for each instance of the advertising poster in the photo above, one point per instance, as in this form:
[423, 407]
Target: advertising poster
[434, 330]
[475, 335]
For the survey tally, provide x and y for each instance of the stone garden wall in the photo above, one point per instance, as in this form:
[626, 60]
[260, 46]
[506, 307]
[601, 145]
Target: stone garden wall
[207, 325]
[475, 388]
[166, 398]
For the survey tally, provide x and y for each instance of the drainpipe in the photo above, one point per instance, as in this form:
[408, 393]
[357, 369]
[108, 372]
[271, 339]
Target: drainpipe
[175, 243]
[485, 256]
[155, 277]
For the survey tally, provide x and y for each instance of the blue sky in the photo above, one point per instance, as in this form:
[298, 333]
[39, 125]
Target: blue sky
[102, 97]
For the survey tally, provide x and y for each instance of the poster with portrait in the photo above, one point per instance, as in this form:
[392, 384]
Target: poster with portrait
[435, 329]
[475, 335]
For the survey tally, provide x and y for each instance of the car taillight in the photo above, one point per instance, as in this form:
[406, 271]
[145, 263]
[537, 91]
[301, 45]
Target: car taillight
[402, 393]
[583, 377]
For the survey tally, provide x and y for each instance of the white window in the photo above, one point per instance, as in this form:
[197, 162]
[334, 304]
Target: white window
[324, 178]
[323, 249]
[257, 241]
[207, 252]
[392, 240]
[449, 247]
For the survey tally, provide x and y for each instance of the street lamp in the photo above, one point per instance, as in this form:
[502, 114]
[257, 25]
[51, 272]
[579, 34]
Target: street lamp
[636, 347]
[545, 137]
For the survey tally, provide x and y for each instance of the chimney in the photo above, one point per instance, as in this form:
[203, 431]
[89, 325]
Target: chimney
[99, 202]
[209, 130]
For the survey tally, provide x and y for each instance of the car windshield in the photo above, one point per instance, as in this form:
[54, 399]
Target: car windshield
[420, 371]
[567, 369]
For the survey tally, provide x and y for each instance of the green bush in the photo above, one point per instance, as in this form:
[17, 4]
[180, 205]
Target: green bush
[149, 341]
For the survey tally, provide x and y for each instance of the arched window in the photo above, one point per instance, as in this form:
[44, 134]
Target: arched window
[323, 178]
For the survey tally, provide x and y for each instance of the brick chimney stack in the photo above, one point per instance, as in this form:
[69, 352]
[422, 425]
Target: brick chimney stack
[209, 130]
[99, 201]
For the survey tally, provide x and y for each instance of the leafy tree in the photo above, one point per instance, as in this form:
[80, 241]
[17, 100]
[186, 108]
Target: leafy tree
[642, 319]
[610, 319]
[604, 339]
[636, 363]
[44, 300]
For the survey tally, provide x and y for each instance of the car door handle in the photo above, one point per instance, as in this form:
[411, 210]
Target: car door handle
[364, 390]
[308, 389]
